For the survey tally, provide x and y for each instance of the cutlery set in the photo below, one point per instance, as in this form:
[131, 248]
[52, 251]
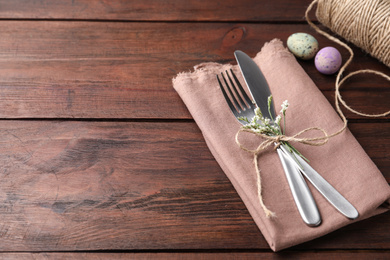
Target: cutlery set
[295, 167]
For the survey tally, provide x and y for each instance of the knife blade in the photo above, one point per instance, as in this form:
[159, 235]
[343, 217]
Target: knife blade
[256, 82]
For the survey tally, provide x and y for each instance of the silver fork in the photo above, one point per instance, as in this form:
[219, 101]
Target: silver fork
[242, 106]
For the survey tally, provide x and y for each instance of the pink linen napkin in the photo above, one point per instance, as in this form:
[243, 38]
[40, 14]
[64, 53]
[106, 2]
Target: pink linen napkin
[342, 161]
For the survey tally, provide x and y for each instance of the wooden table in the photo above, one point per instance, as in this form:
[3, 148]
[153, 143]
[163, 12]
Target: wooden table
[100, 157]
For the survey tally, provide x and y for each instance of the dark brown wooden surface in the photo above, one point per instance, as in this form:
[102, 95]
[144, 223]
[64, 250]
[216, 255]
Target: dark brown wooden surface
[133, 185]
[155, 10]
[124, 70]
[101, 159]
[203, 256]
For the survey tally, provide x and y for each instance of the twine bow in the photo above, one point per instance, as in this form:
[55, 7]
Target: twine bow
[277, 140]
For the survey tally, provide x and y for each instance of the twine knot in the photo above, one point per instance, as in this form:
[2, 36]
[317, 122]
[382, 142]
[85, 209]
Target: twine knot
[277, 140]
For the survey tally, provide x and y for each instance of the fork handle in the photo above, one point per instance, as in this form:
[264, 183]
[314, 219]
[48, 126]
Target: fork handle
[302, 196]
[325, 188]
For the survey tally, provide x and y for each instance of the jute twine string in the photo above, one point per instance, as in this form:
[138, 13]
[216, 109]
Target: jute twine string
[334, 11]
[338, 10]
[277, 140]
[365, 23]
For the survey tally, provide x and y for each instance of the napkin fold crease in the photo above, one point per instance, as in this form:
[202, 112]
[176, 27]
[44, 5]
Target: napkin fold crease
[342, 161]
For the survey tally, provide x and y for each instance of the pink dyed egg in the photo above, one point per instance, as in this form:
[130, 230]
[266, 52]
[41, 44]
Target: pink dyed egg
[328, 60]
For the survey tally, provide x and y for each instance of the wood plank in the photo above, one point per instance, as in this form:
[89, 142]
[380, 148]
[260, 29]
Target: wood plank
[321, 255]
[124, 70]
[152, 10]
[74, 185]
[106, 185]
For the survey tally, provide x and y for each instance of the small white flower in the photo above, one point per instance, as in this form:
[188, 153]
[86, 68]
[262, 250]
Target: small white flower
[275, 128]
[285, 105]
[278, 119]
[252, 124]
[257, 112]
[267, 121]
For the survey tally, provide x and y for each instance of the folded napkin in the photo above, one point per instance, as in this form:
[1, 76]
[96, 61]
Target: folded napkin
[342, 161]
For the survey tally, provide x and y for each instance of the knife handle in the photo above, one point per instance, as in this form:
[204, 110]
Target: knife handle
[302, 196]
[327, 190]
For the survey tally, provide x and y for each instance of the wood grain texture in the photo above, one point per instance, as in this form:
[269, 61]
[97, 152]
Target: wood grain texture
[124, 70]
[122, 182]
[319, 255]
[134, 186]
[152, 10]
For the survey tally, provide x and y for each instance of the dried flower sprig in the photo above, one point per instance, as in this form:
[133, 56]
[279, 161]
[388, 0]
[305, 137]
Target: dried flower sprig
[271, 126]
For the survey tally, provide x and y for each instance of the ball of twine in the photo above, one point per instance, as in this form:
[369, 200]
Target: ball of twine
[358, 19]
[365, 23]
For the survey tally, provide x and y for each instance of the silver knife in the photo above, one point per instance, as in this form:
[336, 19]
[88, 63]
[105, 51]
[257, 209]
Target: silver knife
[259, 90]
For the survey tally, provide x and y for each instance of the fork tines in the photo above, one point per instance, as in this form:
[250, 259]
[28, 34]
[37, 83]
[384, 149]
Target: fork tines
[237, 94]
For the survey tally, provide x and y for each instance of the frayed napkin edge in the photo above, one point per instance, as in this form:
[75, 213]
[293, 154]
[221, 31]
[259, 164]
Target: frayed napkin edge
[273, 47]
